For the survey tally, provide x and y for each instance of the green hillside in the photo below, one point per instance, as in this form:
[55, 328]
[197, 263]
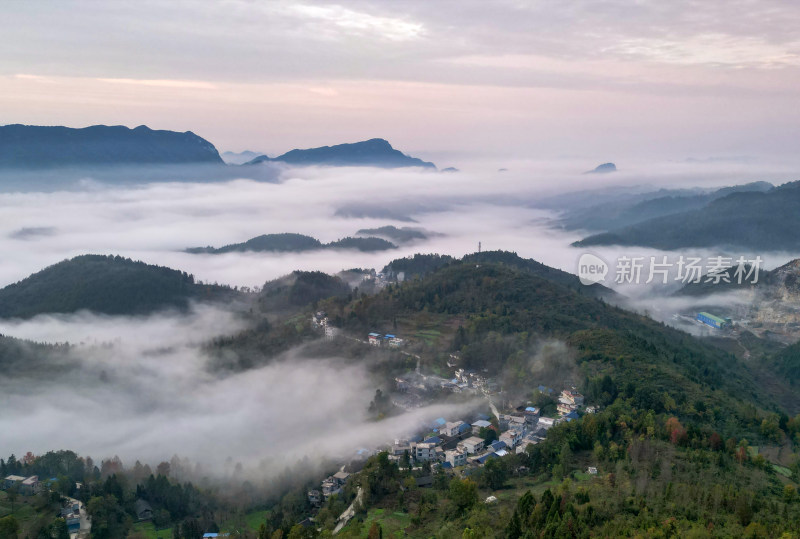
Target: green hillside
[103, 284]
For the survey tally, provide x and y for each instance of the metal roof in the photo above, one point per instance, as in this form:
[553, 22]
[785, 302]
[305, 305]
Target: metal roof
[716, 319]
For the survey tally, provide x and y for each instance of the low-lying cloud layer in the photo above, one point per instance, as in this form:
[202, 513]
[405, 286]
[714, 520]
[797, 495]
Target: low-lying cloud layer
[143, 392]
[154, 222]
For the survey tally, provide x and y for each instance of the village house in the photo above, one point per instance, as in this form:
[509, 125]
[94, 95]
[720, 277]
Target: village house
[400, 447]
[315, 497]
[480, 424]
[451, 428]
[12, 480]
[516, 422]
[393, 340]
[472, 445]
[498, 445]
[28, 486]
[425, 452]
[331, 332]
[511, 437]
[564, 407]
[319, 319]
[546, 422]
[334, 484]
[531, 415]
[330, 488]
[572, 397]
[143, 510]
[455, 457]
[454, 429]
[374, 339]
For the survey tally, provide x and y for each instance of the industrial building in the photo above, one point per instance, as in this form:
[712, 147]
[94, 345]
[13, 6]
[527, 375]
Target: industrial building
[713, 321]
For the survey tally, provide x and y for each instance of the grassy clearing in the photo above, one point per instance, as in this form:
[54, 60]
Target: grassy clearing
[392, 523]
[256, 519]
[783, 470]
[148, 530]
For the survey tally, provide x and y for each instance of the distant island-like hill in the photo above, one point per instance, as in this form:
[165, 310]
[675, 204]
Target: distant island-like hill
[31, 146]
[296, 243]
[375, 152]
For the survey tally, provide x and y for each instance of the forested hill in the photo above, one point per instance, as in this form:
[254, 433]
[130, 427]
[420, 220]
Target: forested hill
[31, 146]
[750, 220]
[422, 264]
[494, 315]
[296, 243]
[684, 442]
[103, 284]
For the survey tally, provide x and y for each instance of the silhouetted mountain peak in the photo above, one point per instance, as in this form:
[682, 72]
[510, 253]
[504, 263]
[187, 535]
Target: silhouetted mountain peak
[603, 169]
[31, 146]
[375, 152]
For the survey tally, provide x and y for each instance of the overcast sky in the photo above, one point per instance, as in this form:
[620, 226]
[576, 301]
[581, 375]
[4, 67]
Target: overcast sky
[539, 79]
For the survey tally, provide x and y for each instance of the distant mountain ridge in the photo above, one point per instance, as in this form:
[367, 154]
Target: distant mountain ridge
[30, 146]
[374, 152]
[628, 208]
[239, 158]
[755, 219]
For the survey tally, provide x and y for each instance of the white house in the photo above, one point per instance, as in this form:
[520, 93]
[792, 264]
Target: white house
[425, 451]
[330, 487]
[546, 422]
[455, 458]
[374, 339]
[330, 331]
[451, 428]
[511, 437]
[472, 445]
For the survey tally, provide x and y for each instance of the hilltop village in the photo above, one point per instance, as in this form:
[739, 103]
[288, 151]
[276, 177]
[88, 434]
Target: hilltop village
[455, 445]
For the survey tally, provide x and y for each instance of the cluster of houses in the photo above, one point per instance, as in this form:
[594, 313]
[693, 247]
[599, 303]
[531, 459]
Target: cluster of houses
[330, 486]
[458, 444]
[71, 513]
[319, 320]
[376, 339]
[465, 381]
[382, 279]
[27, 486]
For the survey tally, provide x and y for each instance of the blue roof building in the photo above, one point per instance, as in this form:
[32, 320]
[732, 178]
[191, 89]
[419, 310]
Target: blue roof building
[432, 440]
[497, 445]
[483, 458]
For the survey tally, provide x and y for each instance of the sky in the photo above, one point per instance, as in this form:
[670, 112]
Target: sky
[451, 80]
